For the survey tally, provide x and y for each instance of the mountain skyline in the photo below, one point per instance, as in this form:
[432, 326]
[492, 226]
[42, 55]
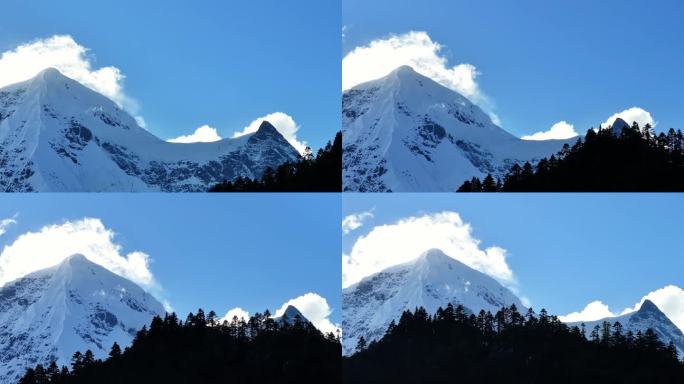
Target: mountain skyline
[216, 263]
[554, 260]
[433, 281]
[61, 136]
[78, 306]
[151, 66]
[515, 61]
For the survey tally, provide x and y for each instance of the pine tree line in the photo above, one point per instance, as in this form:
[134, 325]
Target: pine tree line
[453, 345]
[322, 173]
[636, 160]
[202, 349]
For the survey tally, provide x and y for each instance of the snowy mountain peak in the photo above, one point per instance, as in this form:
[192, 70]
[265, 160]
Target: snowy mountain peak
[76, 260]
[434, 256]
[266, 127]
[618, 126]
[292, 312]
[405, 71]
[81, 268]
[432, 280]
[649, 306]
[50, 74]
[406, 132]
[73, 306]
[290, 316]
[53, 87]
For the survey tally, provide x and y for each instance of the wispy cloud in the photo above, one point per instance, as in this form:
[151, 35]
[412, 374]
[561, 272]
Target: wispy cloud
[355, 221]
[5, 223]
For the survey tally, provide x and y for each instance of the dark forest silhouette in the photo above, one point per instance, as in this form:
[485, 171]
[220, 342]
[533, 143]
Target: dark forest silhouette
[635, 160]
[202, 350]
[322, 173]
[509, 347]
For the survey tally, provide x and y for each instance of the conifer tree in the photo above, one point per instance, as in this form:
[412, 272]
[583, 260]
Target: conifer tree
[361, 344]
[115, 351]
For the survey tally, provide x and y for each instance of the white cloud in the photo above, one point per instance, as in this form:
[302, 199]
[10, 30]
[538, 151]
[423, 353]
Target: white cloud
[5, 223]
[52, 244]
[355, 221]
[284, 123]
[392, 244]
[203, 134]
[669, 299]
[141, 122]
[631, 115]
[418, 50]
[315, 308]
[596, 310]
[70, 58]
[235, 312]
[560, 130]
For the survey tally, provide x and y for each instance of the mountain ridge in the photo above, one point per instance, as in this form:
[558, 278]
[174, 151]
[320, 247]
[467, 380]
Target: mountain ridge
[59, 135]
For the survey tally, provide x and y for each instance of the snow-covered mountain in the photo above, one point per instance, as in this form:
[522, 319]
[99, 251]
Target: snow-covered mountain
[58, 135]
[73, 306]
[405, 132]
[618, 126]
[431, 281]
[648, 316]
[290, 316]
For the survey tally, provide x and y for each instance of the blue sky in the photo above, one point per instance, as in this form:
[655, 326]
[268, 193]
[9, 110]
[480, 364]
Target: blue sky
[543, 62]
[214, 252]
[565, 250]
[219, 63]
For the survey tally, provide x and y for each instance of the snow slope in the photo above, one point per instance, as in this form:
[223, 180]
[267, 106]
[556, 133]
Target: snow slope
[73, 306]
[648, 316]
[430, 281]
[407, 133]
[58, 135]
